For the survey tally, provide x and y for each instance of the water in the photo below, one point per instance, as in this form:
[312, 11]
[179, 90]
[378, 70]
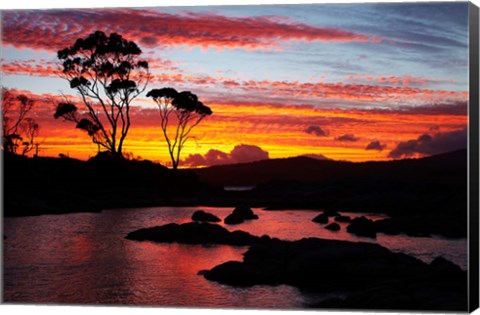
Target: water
[83, 258]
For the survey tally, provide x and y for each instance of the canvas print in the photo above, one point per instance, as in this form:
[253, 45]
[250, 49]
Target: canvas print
[310, 156]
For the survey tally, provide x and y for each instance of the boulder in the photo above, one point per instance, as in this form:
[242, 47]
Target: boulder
[195, 233]
[362, 227]
[245, 212]
[233, 219]
[203, 216]
[333, 227]
[321, 218]
[239, 215]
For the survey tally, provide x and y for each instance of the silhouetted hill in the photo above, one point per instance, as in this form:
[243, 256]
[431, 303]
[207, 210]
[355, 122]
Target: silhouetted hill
[423, 196]
[452, 165]
[60, 185]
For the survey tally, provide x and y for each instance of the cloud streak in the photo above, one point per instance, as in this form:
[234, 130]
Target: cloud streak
[50, 30]
[425, 101]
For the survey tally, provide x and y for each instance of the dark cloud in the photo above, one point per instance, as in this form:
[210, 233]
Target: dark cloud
[347, 137]
[316, 130]
[376, 145]
[212, 157]
[455, 108]
[242, 153]
[427, 144]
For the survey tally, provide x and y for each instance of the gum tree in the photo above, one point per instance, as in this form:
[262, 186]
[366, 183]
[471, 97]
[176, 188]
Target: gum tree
[18, 129]
[179, 113]
[108, 74]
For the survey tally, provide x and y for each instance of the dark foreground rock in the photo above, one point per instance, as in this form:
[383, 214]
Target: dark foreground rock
[196, 233]
[362, 227]
[239, 215]
[203, 216]
[372, 276]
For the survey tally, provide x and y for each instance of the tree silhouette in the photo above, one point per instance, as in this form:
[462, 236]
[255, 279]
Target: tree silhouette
[107, 73]
[187, 111]
[18, 130]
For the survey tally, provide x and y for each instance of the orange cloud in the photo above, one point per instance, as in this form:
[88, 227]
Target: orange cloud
[275, 128]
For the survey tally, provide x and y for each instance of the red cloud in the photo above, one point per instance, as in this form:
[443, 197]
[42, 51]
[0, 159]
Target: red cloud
[41, 68]
[54, 29]
[268, 90]
[405, 80]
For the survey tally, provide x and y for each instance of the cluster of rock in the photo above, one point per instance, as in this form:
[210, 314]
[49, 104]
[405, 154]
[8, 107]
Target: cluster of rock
[375, 277]
[362, 226]
[324, 217]
[412, 225]
[239, 215]
[201, 231]
[371, 276]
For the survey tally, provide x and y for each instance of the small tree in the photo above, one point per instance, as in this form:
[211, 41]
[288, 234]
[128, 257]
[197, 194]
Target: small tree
[18, 130]
[186, 110]
[108, 75]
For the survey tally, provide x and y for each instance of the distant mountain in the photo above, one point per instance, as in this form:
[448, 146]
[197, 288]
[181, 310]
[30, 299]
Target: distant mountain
[444, 167]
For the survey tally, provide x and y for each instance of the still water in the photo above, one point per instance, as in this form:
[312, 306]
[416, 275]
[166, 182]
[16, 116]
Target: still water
[83, 258]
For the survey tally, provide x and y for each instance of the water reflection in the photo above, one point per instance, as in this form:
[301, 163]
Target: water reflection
[84, 258]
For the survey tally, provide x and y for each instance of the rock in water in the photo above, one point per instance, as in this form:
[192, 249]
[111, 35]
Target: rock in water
[321, 218]
[333, 227]
[239, 215]
[203, 216]
[362, 227]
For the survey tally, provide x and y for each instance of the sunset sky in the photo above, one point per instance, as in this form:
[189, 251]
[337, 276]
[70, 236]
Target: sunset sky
[344, 81]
